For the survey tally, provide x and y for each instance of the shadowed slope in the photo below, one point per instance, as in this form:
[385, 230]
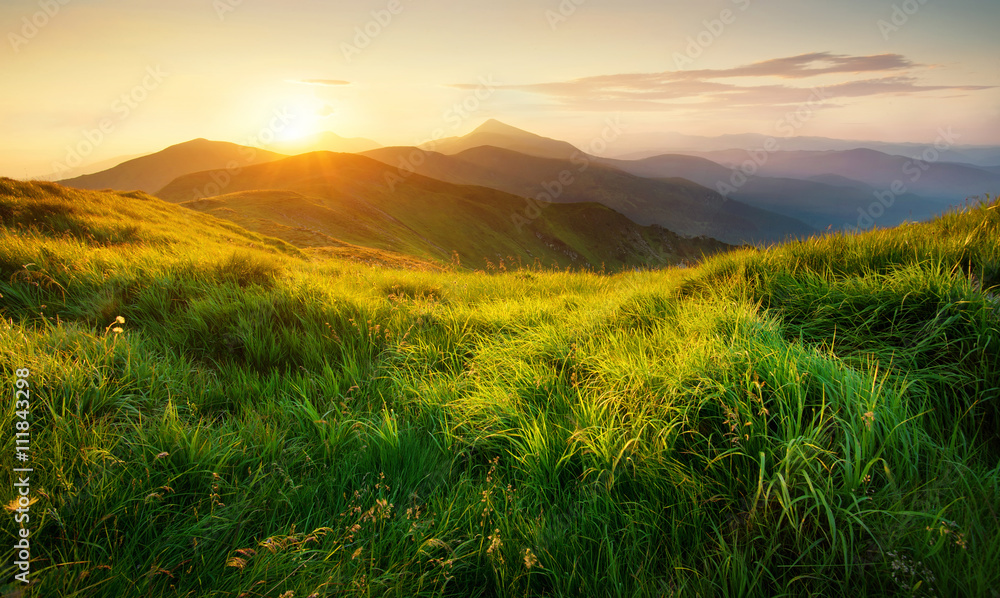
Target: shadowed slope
[679, 205]
[348, 198]
[925, 176]
[821, 201]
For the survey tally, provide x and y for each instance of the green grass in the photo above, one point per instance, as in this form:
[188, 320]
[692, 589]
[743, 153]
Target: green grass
[815, 419]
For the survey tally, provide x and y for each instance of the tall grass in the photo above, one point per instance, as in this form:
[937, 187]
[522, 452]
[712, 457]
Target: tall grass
[813, 419]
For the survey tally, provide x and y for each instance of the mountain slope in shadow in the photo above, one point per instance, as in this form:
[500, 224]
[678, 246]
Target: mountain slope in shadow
[321, 199]
[931, 179]
[821, 201]
[677, 204]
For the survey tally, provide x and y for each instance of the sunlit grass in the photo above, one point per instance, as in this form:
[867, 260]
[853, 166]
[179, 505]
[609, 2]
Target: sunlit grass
[797, 421]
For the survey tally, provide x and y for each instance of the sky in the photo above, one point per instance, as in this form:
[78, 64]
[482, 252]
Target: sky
[88, 81]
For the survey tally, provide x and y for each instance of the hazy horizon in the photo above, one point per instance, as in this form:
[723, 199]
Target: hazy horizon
[105, 79]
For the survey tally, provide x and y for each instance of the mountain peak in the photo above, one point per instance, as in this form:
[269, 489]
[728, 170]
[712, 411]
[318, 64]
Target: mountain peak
[495, 133]
[151, 172]
[199, 144]
[496, 127]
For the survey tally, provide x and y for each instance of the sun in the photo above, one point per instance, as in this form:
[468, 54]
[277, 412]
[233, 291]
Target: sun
[295, 132]
[307, 117]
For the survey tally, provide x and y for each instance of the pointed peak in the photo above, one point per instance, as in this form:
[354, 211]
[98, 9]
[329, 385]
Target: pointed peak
[198, 143]
[496, 127]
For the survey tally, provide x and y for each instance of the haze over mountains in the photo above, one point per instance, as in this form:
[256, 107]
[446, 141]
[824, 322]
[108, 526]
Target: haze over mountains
[818, 200]
[926, 175]
[326, 141]
[637, 145]
[502, 192]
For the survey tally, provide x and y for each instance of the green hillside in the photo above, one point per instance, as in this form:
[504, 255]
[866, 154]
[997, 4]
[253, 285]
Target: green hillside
[216, 413]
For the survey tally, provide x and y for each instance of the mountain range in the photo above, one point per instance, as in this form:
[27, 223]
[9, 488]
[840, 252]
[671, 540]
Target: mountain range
[500, 192]
[324, 198]
[637, 145]
[821, 201]
[928, 176]
[675, 203]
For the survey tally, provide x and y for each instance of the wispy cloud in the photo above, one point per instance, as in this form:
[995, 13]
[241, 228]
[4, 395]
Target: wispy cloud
[808, 65]
[860, 76]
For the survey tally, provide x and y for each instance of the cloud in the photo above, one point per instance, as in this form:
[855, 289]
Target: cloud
[861, 76]
[326, 82]
[809, 65]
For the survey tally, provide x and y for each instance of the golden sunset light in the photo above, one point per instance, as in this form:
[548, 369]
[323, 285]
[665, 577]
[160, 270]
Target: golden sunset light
[532, 298]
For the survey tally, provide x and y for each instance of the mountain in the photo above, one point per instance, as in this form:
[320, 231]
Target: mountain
[821, 201]
[150, 173]
[643, 144]
[936, 180]
[839, 181]
[326, 141]
[676, 204]
[841, 206]
[323, 199]
[694, 168]
[497, 134]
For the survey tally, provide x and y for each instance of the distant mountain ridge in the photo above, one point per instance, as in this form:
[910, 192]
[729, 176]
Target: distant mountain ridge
[821, 200]
[638, 145]
[151, 172]
[933, 179]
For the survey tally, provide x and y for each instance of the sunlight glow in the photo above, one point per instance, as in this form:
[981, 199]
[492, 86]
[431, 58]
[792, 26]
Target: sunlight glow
[309, 116]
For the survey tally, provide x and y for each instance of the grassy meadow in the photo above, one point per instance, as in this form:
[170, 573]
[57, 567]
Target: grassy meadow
[217, 413]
